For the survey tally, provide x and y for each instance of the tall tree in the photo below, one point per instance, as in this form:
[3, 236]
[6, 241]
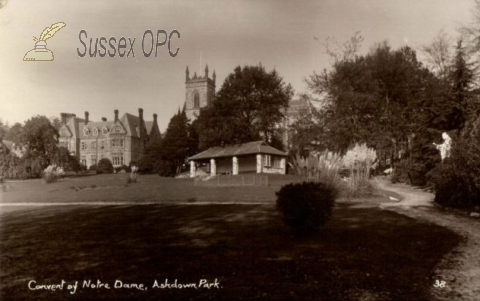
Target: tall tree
[68, 162]
[15, 133]
[3, 129]
[151, 160]
[376, 98]
[345, 51]
[439, 55]
[178, 143]
[462, 75]
[57, 124]
[454, 91]
[249, 105]
[470, 35]
[40, 139]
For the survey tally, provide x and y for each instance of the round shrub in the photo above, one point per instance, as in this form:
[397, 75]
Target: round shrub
[306, 207]
[104, 166]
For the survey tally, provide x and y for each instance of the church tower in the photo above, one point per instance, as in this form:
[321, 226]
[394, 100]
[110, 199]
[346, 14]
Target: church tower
[199, 92]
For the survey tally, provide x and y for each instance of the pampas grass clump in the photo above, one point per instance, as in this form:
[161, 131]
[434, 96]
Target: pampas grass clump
[359, 160]
[52, 173]
[323, 167]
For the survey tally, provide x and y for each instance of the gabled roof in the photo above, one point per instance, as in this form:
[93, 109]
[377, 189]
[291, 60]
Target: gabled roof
[72, 124]
[132, 124]
[7, 144]
[65, 131]
[149, 126]
[12, 148]
[249, 148]
[127, 123]
[152, 129]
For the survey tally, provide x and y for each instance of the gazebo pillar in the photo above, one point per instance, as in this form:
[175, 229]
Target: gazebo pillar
[283, 166]
[213, 167]
[193, 169]
[259, 163]
[235, 166]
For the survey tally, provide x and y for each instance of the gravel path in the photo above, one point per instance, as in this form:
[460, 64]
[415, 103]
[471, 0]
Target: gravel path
[458, 273]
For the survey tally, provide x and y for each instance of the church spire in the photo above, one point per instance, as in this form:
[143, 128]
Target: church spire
[206, 71]
[187, 74]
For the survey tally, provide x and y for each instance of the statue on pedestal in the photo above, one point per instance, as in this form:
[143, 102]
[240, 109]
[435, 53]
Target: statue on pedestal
[445, 147]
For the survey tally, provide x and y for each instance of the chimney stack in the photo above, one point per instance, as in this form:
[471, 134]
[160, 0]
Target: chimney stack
[116, 115]
[86, 117]
[187, 74]
[142, 123]
[104, 119]
[154, 118]
[142, 130]
[63, 116]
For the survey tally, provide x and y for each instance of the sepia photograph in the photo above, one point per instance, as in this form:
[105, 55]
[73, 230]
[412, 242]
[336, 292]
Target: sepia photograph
[240, 150]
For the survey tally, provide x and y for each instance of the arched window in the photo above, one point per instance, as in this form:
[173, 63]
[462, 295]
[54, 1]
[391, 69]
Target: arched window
[105, 130]
[95, 131]
[196, 100]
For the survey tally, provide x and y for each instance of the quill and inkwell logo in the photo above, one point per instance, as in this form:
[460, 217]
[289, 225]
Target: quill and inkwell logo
[41, 53]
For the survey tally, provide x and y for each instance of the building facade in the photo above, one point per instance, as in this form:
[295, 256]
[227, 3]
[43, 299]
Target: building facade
[199, 93]
[122, 140]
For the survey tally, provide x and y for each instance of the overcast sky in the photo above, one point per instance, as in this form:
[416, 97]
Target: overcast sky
[286, 35]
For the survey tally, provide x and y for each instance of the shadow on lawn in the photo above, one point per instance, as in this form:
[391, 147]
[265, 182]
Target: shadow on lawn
[362, 254]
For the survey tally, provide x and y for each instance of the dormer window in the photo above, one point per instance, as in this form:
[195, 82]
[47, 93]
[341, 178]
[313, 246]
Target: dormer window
[86, 131]
[95, 132]
[105, 130]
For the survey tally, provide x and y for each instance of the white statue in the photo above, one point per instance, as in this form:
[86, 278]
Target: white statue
[445, 147]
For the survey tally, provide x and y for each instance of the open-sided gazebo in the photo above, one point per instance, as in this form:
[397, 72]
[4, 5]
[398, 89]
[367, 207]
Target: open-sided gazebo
[251, 157]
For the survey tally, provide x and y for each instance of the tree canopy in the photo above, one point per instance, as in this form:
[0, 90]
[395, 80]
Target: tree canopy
[3, 129]
[249, 106]
[15, 133]
[388, 99]
[40, 138]
[169, 155]
[373, 98]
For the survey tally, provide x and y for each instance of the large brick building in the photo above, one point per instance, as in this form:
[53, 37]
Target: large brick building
[122, 140]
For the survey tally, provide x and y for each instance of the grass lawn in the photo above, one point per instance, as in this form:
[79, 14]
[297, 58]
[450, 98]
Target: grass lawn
[362, 254]
[149, 189]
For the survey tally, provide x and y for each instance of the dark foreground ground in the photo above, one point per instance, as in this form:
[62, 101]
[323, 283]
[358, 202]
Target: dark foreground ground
[362, 254]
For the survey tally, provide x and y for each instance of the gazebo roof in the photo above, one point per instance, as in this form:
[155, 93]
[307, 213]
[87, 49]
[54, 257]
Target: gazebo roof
[249, 148]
